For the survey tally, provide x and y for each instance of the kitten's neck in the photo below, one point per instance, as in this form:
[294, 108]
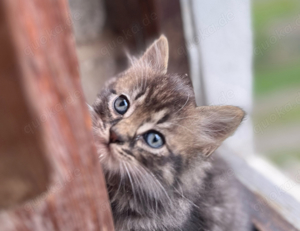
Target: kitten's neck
[136, 210]
[135, 214]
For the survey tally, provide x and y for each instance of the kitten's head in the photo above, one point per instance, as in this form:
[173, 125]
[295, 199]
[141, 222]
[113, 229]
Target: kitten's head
[146, 123]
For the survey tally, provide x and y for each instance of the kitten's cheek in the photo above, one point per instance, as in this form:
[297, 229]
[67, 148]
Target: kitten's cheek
[112, 152]
[102, 150]
[101, 135]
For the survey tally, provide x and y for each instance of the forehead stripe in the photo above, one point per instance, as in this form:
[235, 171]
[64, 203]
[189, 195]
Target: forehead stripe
[127, 151]
[139, 95]
[113, 91]
[163, 119]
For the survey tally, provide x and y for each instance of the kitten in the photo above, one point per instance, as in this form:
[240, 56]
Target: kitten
[155, 147]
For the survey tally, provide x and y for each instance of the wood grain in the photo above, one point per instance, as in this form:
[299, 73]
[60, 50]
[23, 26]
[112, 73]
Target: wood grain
[24, 172]
[48, 110]
[263, 216]
[271, 208]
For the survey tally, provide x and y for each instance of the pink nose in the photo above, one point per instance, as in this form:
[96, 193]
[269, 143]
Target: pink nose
[114, 137]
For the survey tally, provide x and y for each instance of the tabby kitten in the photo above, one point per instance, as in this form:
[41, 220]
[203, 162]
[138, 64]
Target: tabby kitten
[155, 147]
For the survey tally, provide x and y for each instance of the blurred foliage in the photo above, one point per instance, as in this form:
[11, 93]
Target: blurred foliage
[264, 11]
[276, 78]
[276, 41]
[290, 117]
[276, 25]
[290, 157]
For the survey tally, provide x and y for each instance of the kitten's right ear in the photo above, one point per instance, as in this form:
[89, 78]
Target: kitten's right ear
[157, 55]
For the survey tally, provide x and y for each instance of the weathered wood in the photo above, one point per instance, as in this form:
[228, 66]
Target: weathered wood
[24, 172]
[272, 208]
[263, 216]
[50, 116]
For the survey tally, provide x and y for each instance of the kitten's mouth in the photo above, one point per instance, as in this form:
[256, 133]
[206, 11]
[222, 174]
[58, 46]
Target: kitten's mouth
[109, 151]
[103, 147]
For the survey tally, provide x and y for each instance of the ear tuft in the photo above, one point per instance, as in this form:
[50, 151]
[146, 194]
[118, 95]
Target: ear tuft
[208, 150]
[157, 55]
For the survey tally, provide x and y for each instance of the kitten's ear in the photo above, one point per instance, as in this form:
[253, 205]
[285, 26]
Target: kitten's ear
[216, 124]
[157, 55]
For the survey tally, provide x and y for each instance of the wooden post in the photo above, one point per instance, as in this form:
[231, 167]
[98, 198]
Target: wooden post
[45, 134]
[24, 172]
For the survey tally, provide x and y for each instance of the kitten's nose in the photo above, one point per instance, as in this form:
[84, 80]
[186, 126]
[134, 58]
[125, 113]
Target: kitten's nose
[114, 137]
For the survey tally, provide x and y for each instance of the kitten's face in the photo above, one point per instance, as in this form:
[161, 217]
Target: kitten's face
[146, 123]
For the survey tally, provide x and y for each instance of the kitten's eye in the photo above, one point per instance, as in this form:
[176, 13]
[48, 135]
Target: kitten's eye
[154, 139]
[121, 104]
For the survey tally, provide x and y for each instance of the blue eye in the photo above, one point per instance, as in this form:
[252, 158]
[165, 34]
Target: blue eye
[154, 139]
[121, 105]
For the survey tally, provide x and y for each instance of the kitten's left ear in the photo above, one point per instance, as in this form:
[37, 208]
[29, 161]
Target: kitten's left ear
[157, 55]
[216, 124]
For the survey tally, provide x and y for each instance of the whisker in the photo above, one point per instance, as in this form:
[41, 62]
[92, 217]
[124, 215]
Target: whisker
[183, 127]
[184, 104]
[145, 83]
[138, 177]
[181, 194]
[194, 117]
[121, 181]
[131, 182]
[159, 184]
[138, 183]
[150, 190]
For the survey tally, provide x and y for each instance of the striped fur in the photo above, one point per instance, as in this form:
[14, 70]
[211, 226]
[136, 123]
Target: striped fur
[176, 187]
